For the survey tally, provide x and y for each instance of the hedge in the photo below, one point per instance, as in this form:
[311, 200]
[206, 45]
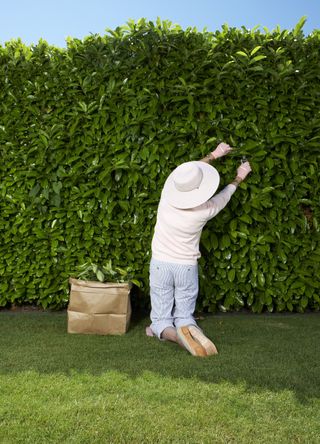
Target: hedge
[89, 133]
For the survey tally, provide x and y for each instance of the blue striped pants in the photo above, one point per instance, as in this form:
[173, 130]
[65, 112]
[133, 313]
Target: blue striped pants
[173, 290]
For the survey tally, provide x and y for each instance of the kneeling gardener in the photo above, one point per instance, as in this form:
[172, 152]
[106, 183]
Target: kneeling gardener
[185, 206]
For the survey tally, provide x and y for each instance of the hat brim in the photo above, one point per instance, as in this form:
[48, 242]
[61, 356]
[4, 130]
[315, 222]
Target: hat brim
[191, 199]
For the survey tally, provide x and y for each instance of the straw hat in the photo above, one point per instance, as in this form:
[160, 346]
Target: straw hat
[191, 184]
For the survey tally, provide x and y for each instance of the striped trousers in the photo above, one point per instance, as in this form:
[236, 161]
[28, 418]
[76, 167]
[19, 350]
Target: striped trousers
[173, 290]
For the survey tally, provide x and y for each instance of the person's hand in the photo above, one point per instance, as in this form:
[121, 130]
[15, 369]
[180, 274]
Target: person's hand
[221, 150]
[243, 170]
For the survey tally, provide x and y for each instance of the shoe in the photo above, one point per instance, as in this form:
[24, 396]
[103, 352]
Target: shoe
[201, 339]
[189, 343]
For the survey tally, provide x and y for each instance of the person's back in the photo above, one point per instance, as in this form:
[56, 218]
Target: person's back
[177, 232]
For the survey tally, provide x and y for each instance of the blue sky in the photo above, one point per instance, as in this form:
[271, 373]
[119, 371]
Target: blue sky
[54, 20]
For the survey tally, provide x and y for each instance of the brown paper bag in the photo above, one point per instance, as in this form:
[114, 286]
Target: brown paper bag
[99, 308]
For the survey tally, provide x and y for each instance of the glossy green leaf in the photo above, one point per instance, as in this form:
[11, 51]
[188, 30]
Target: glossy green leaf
[257, 58]
[256, 49]
[242, 53]
[231, 275]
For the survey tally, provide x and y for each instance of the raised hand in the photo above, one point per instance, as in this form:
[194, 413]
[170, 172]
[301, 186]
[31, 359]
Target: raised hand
[243, 170]
[221, 150]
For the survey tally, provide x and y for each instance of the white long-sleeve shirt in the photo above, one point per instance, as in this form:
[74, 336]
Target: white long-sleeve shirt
[177, 232]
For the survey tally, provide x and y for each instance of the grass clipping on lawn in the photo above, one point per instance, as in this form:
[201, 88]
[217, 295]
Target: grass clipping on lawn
[264, 386]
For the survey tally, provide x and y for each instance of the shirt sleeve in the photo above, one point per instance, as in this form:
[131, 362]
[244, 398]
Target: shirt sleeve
[219, 201]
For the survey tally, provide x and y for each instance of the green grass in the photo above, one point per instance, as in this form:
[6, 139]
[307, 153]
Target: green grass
[263, 387]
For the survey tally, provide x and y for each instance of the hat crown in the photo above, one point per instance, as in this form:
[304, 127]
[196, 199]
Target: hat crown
[187, 177]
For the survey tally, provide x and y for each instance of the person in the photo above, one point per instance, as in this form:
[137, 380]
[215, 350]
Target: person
[185, 206]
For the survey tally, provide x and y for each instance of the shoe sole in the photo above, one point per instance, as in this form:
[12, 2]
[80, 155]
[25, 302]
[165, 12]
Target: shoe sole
[189, 343]
[201, 339]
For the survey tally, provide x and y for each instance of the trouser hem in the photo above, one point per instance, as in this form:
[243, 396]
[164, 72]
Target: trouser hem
[159, 327]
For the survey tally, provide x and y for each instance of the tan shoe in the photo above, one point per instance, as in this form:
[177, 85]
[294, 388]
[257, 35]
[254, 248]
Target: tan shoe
[194, 347]
[201, 339]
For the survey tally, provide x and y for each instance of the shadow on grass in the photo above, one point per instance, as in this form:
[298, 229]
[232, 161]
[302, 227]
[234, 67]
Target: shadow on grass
[273, 352]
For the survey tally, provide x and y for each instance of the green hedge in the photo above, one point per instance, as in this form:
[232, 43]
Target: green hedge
[89, 133]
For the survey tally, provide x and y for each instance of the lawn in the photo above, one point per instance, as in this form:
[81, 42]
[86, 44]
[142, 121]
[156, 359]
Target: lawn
[263, 387]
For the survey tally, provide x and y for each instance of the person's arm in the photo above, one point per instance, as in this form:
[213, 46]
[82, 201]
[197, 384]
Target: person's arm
[209, 158]
[236, 182]
[221, 150]
[220, 200]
